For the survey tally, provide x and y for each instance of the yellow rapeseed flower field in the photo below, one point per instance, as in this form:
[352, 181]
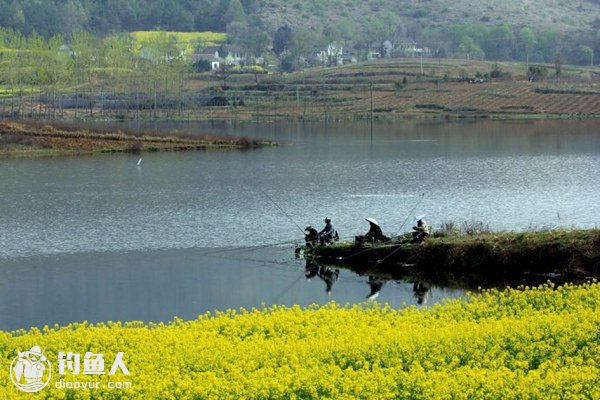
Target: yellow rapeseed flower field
[185, 40]
[528, 343]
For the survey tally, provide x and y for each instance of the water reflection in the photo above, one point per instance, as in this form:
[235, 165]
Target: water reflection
[326, 274]
[375, 284]
[421, 290]
[158, 285]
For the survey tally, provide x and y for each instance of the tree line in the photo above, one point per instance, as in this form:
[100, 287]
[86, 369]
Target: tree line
[244, 21]
[90, 68]
[102, 17]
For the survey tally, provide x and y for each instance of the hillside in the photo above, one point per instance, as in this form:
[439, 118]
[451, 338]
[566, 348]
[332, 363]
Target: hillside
[484, 30]
[426, 14]
[102, 16]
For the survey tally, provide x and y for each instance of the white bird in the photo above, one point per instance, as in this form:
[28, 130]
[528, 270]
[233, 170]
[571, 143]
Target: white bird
[139, 161]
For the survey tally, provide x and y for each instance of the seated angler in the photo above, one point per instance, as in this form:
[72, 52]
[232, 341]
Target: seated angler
[420, 230]
[328, 234]
[311, 236]
[375, 233]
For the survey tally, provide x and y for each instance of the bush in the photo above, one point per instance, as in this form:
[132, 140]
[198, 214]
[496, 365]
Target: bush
[535, 73]
[496, 72]
[202, 66]
[447, 228]
[475, 228]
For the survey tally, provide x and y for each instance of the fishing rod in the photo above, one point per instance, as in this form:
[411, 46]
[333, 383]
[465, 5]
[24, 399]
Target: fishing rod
[421, 197]
[251, 248]
[280, 209]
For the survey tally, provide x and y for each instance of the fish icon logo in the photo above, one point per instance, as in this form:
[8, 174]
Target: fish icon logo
[30, 371]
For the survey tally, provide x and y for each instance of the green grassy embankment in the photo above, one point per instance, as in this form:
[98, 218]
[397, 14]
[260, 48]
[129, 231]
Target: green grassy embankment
[567, 255]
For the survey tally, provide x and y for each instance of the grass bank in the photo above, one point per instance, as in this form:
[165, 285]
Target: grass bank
[476, 259]
[528, 343]
[33, 139]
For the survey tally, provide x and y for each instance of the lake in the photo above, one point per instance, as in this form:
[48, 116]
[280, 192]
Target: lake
[99, 238]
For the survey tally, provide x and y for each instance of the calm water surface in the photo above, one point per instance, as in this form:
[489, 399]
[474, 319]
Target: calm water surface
[98, 238]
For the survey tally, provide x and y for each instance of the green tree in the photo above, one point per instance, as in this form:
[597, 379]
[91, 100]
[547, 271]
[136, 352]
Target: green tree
[330, 34]
[282, 39]
[176, 18]
[258, 42]
[163, 70]
[74, 16]
[251, 6]
[526, 43]
[477, 32]
[118, 60]
[582, 55]
[303, 41]
[498, 43]
[234, 13]
[558, 63]
[346, 30]
[84, 48]
[15, 63]
[254, 41]
[549, 44]
[384, 27]
[12, 15]
[470, 49]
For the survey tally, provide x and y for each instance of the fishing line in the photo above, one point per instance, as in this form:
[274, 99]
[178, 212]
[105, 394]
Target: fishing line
[421, 197]
[280, 208]
[263, 263]
[252, 248]
[400, 246]
[284, 291]
[411, 212]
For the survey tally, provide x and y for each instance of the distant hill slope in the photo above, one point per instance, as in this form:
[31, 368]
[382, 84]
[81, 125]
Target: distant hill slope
[108, 16]
[565, 16]
[473, 29]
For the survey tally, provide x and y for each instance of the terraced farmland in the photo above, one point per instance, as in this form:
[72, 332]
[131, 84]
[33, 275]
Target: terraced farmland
[407, 88]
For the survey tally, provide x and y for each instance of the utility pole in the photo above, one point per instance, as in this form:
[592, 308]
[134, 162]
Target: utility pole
[371, 90]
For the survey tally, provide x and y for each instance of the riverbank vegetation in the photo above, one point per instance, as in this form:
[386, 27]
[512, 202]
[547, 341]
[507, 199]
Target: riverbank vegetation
[539, 342]
[21, 139]
[475, 258]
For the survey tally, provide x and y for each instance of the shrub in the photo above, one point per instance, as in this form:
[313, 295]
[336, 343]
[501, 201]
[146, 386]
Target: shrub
[475, 228]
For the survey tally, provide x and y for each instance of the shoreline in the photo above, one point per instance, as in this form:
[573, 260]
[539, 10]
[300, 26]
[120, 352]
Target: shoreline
[29, 139]
[474, 260]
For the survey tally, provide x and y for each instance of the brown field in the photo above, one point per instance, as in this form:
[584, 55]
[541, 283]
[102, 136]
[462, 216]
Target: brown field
[400, 90]
[22, 139]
